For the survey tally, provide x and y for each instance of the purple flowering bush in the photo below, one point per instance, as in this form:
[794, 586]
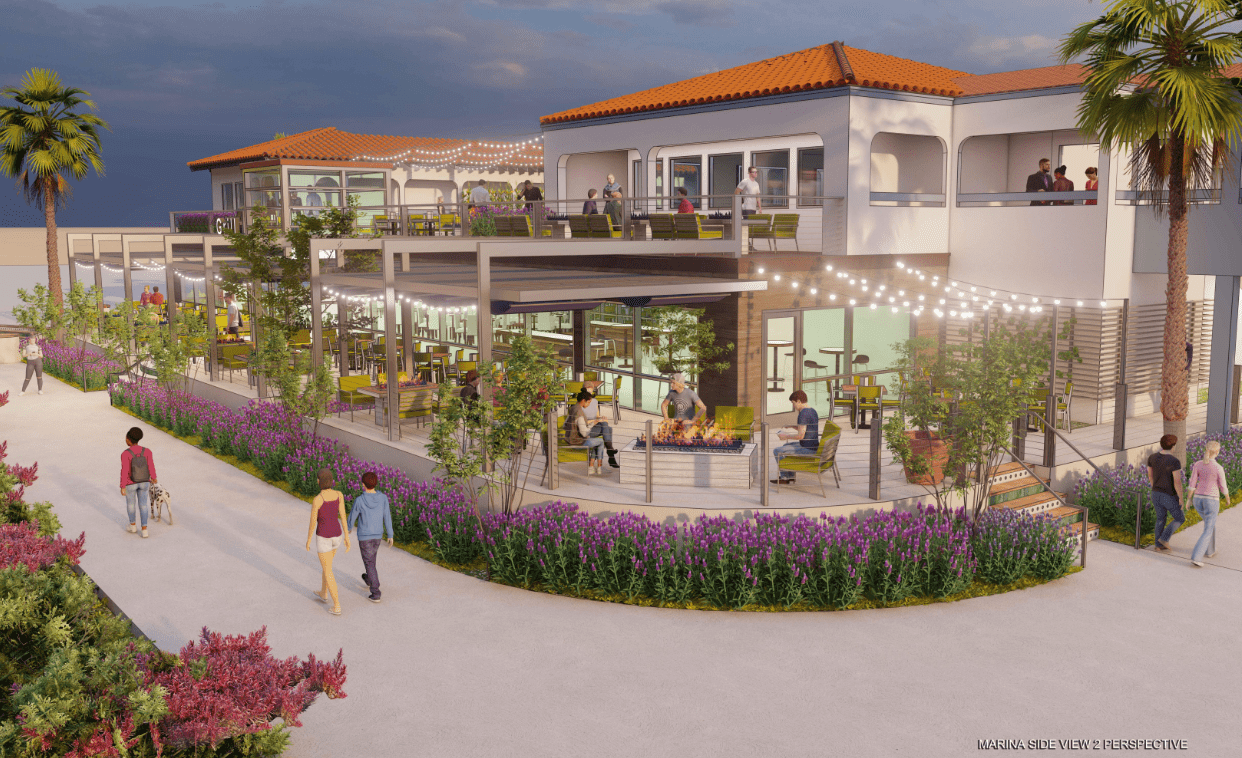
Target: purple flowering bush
[1112, 495]
[771, 560]
[73, 364]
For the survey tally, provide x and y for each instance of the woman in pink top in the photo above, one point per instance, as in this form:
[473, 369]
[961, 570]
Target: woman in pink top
[326, 520]
[1207, 483]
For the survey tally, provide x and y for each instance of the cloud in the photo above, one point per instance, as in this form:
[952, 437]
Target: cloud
[713, 13]
[1026, 49]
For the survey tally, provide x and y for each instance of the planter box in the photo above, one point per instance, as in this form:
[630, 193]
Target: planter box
[928, 445]
[694, 468]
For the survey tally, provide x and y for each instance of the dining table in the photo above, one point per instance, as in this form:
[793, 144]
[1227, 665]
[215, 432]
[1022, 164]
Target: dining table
[380, 394]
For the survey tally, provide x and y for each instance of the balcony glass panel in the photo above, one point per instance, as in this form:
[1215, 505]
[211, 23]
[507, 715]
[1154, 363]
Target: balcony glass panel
[773, 168]
[314, 179]
[263, 178]
[724, 173]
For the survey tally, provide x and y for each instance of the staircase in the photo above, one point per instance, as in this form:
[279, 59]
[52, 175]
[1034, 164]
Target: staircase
[1015, 489]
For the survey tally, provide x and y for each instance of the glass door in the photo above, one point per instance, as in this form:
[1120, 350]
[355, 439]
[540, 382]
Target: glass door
[782, 343]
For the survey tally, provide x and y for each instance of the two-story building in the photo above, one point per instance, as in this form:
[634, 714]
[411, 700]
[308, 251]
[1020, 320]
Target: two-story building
[893, 165]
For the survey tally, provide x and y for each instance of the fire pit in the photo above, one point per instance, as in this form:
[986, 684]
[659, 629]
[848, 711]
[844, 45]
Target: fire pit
[696, 436]
[691, 455]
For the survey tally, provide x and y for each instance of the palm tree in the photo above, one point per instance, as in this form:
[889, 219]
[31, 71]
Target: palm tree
[41, 140]
[1156, 90]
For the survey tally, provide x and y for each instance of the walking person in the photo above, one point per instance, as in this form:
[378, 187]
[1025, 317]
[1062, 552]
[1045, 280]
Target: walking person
[137, 476]
[1207, 483]
[372, 515]
[1164, 472]
[326, 521]
[33, 354]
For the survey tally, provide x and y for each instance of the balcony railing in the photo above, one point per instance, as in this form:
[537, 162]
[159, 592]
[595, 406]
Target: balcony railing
[908, 199]
[1077, 197]
[1209, 196]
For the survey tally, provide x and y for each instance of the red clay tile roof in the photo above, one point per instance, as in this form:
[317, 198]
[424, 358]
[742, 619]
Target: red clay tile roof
[332, 144]
[1019, 81]
[822, 67]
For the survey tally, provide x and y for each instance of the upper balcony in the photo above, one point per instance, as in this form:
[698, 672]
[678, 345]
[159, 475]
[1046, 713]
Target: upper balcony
[999, 170]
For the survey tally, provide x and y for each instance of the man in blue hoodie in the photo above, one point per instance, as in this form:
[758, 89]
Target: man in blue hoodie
[373, 517]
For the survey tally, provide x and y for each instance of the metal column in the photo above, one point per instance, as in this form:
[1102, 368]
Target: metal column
[1224, 347]
[1121, 400]
[316, 295]
[484, 311]
[209, 284]
[1050, 403]
[170, 300]
[390, 341]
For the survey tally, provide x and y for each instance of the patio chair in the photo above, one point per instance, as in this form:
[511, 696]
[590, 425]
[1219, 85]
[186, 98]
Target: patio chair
[785, 227]
[1038, 406]
[233, 357]
[760, 231]
[578, 227]
[382, 378]
[565, 452]
[571, 392]
[603, 398]
[465, 367]
[824, 459]
[689, 226]
[347, 391]
[737, 420]
[423, 365]
[301, 338]
[601, 226]
[380, 225]
[1064, 404]
[417, 404]
[661, 226]
[870, 397]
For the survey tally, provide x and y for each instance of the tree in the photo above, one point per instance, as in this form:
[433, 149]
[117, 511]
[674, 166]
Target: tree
[468, 439]
[969, 394]
[305, 390]
[684, 341]
[42, 139]
[1156, 89]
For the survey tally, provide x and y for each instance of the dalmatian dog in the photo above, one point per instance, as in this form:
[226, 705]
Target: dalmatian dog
[160, 501]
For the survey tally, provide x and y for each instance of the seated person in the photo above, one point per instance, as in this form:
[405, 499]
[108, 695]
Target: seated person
[802, 439]
[595, 434]
[470, 387]
[687, 406]
[589, 207]
[684, 206]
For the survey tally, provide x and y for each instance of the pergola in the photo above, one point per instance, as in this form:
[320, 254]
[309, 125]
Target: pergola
[488, 274]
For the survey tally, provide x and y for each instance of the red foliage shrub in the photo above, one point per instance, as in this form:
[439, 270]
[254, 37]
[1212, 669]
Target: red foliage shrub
[21, 543]
[225, 686]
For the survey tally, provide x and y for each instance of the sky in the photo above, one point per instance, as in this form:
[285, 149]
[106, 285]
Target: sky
[179, 80]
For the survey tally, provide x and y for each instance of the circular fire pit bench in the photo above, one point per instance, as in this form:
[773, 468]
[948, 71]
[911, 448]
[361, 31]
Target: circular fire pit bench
[733, 465]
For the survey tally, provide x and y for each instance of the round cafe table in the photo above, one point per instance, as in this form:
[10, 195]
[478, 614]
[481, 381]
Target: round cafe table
[776, 345]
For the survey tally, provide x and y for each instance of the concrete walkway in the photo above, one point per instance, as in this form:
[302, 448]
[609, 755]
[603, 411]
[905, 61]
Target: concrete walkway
[1140, 646]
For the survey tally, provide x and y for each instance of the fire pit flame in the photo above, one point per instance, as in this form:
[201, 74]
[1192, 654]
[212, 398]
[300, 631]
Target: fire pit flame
[702, 434]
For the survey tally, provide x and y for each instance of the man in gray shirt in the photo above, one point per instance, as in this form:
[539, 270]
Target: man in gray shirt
[686, 403]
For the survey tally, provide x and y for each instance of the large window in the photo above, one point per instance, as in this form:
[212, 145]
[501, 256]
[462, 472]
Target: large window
[688, 175]
[1004, 169]
[724, 173]
[226, 196]
[773, 168]
[263, 188]
[370, 179]
[811, 176]
[907, 169]
[636, 185]
[659, 183]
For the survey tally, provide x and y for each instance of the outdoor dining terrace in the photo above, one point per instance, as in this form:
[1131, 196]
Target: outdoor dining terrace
[794, 223]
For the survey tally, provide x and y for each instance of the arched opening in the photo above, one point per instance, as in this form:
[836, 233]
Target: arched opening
[907, 170]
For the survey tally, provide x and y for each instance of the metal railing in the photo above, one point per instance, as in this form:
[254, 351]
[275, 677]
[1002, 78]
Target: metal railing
[1015, 199]
[1082, 509]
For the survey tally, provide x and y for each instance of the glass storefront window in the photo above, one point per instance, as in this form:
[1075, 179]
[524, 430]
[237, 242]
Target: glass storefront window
[314, 199]
[370, 179]
[810, 176]
[724, 173]
[688, 175]
[263, 178]
[823, 343]
[773, 168]
[611, 325]
[266, 198]
[875, 331]
[314, 179]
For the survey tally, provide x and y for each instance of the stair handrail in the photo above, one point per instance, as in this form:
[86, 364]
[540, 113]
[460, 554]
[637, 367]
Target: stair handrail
[1048, 486]
[1065, 439]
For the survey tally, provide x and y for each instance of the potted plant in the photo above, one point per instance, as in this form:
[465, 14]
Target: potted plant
[958, 404]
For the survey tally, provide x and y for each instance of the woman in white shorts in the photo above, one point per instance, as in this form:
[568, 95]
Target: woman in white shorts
[327, 530]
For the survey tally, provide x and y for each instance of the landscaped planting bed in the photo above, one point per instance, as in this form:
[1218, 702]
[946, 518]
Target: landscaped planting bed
[75, 682]
[1113, 496]
[771, 562]
[85, 369]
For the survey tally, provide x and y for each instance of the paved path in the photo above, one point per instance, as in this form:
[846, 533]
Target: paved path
[1138, 646]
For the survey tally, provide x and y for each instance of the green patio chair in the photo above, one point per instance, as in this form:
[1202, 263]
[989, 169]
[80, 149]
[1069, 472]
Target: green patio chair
[347, 391]
[824, 459]
[761, 231]
[601, 226]
[418, 404]
[737, 420]
[785, 227]
[689, 226]
[578, 227]
[571, 392]
[870, 397]
[661, 226]
[566, 452]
